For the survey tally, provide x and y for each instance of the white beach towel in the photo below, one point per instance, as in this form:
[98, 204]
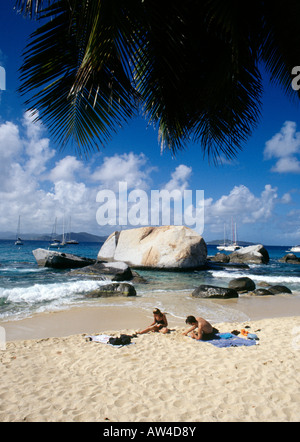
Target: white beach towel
[103, 339]
[100, 338]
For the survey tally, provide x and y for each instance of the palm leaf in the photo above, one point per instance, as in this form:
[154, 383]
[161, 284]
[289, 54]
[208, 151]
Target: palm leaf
[195, 82]
[32, 8]
[281, 43]
[84, 108]
[192, 67]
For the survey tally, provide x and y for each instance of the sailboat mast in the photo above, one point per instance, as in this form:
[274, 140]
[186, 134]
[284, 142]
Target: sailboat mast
[18, 241]
[19, 226]
[63, 235]
[236, 239]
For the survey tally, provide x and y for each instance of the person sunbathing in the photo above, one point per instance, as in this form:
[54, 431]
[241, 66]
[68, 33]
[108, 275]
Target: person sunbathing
[205, 329]
[160, 323]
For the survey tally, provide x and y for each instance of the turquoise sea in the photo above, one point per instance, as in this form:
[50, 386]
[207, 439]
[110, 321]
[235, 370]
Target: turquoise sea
[26, 289]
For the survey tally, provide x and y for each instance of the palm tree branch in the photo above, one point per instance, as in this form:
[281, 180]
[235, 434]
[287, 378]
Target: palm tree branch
[192, 67]
[91, 112]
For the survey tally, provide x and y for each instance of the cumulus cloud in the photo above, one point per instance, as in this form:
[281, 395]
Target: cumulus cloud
[10, 141]
[39, 189]
[129, 168]
[66, 169]
[36, 147]
[40, 185]
[285, 147]
[242, 204]
[10, 152]
[287, 165]
[286, 198]
[179, 178]
[25, 155]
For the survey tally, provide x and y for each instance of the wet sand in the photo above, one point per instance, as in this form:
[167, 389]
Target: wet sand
[100, 318]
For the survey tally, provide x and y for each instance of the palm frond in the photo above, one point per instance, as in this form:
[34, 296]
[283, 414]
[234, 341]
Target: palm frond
[192, 67]
[32, 8]
[281, 43]
[86, 110]
[199, 82]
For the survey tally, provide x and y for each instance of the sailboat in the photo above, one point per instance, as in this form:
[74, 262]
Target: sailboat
[63, 242]
[234, 245]
[71, 241]
[56, 243]
[222, 246]
[294, 249]
[18, 241]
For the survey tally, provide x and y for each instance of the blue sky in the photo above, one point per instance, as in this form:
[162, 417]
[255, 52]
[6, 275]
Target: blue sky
[259, 190]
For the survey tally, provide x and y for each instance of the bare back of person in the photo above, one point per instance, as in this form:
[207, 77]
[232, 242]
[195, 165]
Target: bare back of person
[204, 327]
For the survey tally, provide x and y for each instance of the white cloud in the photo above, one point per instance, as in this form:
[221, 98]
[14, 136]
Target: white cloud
[179, 178]
[25, 165]
[31, 186]
[10, 153]
[242, 204]
[65, 169]
[39, 185]
[286, 198]
[287, 165]
[10, 141]
[34, 128]
[284, 146]
[130, 168]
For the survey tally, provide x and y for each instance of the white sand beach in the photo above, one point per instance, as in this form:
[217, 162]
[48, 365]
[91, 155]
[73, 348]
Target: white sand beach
[159, 378]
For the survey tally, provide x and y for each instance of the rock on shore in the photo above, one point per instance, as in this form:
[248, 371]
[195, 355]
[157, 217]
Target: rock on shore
[256, 254]
[246, 285]
[114, 271]
[113, 289]
[60, 260]
[242, 285]
[211, 291]
[290, 258]
[163, 247]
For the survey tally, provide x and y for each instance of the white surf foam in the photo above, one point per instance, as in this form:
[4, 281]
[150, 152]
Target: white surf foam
[48, 292]
[268, 278]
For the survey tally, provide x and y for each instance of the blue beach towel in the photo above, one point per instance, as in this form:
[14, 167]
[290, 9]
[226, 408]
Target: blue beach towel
[229, 340]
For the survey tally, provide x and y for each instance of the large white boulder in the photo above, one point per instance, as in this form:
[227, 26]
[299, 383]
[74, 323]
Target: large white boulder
[163, 247]
[256, 254]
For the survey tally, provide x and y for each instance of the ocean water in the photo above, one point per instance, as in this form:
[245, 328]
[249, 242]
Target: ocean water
[26, 289]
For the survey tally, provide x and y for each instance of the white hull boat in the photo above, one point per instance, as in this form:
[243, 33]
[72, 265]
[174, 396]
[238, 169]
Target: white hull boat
[233, 245]
[294, 249]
